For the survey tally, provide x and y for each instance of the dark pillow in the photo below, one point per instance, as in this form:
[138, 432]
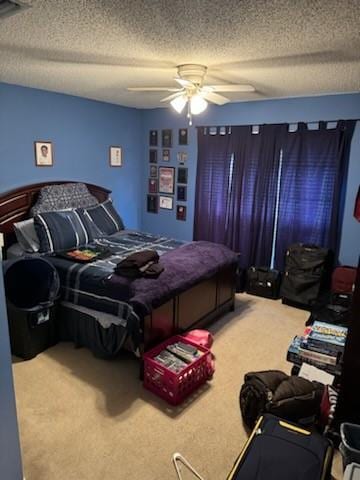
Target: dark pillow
[59, 231]
[54, 198]
[104, 217]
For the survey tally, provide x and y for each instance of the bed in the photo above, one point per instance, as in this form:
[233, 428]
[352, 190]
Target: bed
[196, 287]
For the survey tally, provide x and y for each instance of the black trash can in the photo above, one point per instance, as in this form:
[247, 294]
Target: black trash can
[350, 443]
[32, 288]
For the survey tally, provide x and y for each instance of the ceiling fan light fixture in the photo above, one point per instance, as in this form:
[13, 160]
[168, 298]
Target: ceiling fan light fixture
[179, 103]
[197, 104]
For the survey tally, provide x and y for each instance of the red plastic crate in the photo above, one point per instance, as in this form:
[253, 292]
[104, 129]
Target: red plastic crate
[171, 386]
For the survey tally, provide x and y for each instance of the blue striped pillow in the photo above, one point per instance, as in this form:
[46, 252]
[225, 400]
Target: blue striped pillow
[60, 230]
[104, 217]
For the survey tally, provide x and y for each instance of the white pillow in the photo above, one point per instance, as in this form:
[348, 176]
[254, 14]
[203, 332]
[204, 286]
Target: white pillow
[27, 236]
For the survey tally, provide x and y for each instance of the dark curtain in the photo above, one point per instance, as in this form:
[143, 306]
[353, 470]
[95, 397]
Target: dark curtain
[253, 193]
[314, 167]
[212, 181]
[236, 190]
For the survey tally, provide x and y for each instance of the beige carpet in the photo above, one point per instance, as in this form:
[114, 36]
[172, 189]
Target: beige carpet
[87, 419]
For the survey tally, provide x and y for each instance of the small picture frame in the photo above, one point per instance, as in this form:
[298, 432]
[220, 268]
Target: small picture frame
[181, 212]
[153, 138]
[115, 156]
[153, 171]
[166, 155]
[182, 157]
[167, 138]
[152, 203]
[153, 156]
[153, 185]
[182, 175]
[183, 136]
[181, 193]
[166, 203]
[166, 180]
[44, 154]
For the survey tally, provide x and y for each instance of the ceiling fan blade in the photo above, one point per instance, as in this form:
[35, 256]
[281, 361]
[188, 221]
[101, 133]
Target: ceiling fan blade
[183, 83]
[152, 89]
[215, 98]
[231, 88]
[172, 96]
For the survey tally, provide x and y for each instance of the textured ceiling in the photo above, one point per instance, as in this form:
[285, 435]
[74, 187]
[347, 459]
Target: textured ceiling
[97, 48]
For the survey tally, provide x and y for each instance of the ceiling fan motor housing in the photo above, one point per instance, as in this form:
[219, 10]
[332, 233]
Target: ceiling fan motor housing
[192, 72]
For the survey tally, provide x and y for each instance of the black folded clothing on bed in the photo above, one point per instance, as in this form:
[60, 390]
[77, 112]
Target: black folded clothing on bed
[140, 264]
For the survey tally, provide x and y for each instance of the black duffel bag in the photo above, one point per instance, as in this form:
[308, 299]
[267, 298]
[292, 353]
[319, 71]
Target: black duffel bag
[263, 282]
[272, 391]
[333, 314]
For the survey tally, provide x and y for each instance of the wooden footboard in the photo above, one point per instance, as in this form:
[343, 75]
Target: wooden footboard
[193, 308]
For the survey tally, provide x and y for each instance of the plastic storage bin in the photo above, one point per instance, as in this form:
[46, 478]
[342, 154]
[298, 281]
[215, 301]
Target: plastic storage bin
[171, 386]
[31, 288]
[350, 443]
[352, 472]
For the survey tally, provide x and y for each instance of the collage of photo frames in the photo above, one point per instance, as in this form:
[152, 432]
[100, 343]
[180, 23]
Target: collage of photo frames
[164, 179]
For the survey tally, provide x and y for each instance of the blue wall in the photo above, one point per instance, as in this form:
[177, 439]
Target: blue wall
[81, 131]
[10, 459]
[307, 109]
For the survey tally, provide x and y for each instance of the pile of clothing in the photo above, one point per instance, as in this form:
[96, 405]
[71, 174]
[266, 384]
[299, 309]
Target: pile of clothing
[140, 264]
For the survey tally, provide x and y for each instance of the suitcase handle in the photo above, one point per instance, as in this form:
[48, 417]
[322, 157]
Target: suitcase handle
[296, 429]
[243, 451]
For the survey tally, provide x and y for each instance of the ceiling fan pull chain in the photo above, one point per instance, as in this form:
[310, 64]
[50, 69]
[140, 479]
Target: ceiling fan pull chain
[189, 116]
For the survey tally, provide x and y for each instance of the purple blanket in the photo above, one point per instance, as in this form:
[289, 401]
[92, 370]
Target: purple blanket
[183, 267]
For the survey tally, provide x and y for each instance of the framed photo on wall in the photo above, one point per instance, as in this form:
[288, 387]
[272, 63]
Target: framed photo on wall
[181, 193]
[182, 175]
[152, 203]
[166, 203]
[182, 158]
[115, 156]
[180, 212]
[153, 171]
[153, 185]
[183, 136]
[153, 156]
[167, 138]
[44, 154]
[153, 138]
[166, 155]
[166, 180]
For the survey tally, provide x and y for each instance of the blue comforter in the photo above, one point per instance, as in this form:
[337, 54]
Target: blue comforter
[96, 286]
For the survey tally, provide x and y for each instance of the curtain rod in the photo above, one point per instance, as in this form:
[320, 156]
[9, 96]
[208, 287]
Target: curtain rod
[281, 123]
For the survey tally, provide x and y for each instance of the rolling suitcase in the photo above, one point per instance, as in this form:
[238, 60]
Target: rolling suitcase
[280, 450]
[306, 275]
[276, 450]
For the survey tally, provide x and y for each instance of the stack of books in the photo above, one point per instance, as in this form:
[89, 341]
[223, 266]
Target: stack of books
[178, 356]
[321, 345]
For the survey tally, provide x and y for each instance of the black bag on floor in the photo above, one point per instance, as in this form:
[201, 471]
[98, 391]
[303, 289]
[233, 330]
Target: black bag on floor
[279, 450]
[272, 391]
[334, 314]
[263, 282]
[307, 274]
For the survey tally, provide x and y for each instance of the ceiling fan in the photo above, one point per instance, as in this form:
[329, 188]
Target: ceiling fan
[192, 91]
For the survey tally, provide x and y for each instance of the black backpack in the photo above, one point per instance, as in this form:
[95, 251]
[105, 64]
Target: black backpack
[272, 391]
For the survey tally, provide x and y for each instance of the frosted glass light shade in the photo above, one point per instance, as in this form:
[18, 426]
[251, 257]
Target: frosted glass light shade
[197, 104]
[179, 103]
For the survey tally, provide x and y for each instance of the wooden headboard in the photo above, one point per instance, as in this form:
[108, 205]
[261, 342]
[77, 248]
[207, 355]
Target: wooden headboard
[16, 204]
